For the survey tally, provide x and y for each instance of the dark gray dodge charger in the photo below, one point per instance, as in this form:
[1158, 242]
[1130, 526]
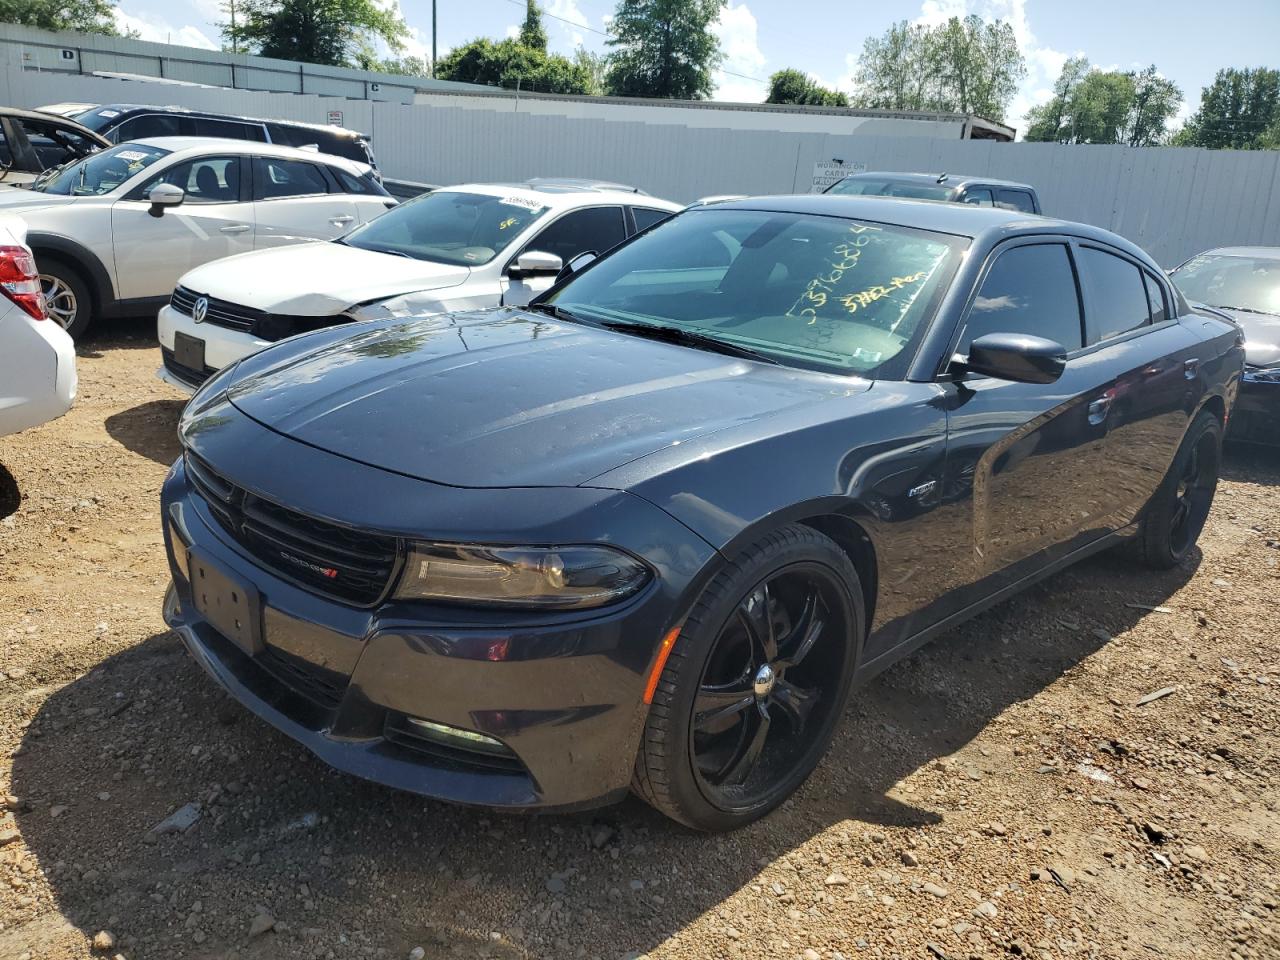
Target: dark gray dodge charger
[651, 532]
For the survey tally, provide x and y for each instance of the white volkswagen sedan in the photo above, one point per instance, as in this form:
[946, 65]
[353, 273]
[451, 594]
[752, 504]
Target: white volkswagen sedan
[37, 358]
[465, 247]
[114, 231]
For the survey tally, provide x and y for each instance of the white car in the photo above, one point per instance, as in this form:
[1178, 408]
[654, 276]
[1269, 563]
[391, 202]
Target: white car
[465, 247]
[37, 358]
[114, 231]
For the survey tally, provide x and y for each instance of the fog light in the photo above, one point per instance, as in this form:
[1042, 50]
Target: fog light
[457, 737]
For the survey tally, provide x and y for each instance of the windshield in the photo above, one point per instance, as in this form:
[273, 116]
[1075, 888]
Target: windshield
[467, 229]
[100, 173]
[1237, 283]
[876, 187]
[822, 292]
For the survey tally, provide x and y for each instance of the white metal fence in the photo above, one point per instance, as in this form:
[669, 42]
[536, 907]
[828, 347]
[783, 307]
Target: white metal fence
[1173, 202]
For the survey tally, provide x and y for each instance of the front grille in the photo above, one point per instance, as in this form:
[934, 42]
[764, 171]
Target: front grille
[322, 687]
[261, 324]
[188, 375]
[324, 557]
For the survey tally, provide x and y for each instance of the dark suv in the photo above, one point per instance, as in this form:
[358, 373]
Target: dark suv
[119, 122]
[980, 191]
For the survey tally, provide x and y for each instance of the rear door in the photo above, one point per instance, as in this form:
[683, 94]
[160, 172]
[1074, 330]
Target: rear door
[1032, 457]
[294, 200]
[588, 229]
[215, 219]
[1150, 361]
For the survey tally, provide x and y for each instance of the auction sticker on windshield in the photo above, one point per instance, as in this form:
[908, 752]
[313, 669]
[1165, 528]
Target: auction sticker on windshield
[521, 202]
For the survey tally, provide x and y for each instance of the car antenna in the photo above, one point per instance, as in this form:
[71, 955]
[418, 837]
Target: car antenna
[942, 178]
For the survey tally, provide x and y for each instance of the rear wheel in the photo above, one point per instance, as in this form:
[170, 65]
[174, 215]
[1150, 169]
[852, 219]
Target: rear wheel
[1177, 512]
[749, 698]
[66, 294]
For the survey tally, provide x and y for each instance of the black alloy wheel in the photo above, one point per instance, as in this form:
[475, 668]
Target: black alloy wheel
[760, 674]
[1178, 511]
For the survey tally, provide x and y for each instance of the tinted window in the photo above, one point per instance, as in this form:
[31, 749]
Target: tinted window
[208, 127]
[980, 196]
[1117, 296]
[275, 178]
[646, 218]
[821, 292]
[1031, 290]
[1016, 200]
[598, 229]
[148, 125]
[874, 187]
[1155, 297]
[350, 184]
[54, 144]
[207, 180]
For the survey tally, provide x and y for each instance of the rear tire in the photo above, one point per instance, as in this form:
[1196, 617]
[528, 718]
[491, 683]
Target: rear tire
[1177, 512]
[760, 674]
[68, 297]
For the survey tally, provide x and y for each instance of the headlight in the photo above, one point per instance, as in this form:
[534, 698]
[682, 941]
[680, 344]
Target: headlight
[210, 394]
[546, 577]
[1262, 375]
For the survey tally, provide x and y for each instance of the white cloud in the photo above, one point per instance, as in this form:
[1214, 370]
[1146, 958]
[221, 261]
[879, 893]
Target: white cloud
[934, 12]
[513, 31]
[738, 33]
[152, 28]
[570, 11]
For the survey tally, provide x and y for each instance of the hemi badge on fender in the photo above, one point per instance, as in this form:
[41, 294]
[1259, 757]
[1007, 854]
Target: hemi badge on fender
[922, 489]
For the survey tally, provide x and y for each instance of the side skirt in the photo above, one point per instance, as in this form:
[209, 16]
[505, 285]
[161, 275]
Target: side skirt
[873, 668]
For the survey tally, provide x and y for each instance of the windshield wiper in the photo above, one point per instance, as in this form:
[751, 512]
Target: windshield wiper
[1219, 306]
[560, 313]
[686, 338]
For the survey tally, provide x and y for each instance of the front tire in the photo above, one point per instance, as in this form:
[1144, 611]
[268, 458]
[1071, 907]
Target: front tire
[1178, 510]
[67, 296]
[750, 695]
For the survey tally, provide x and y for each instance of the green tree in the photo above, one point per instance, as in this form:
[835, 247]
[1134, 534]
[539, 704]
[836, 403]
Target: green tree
[792, 86]
[509, 63]
[1237, 111]
[664, 48]
[971, 65]
[532, 33]
[87, 16]
[595, 65]
[1105, 106]
[405, 66]
[1049, 121]
[1155, 102]
[332, 32]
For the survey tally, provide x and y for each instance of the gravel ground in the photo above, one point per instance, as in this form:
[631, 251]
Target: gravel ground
[1001, 793]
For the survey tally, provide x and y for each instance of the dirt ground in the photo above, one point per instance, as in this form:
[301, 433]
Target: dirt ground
[999, 794]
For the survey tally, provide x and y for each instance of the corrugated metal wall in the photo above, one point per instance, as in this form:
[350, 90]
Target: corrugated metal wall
[1172, 202]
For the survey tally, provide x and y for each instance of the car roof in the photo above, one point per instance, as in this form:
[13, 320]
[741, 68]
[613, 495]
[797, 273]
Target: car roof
[958, 219]
[561, 195]
[125, 109]
[1257, 253]
[253, 147]
[952, 179]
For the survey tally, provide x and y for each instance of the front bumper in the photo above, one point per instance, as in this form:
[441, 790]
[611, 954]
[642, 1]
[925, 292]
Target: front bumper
[564, 693]
[222, 346]
[1256, 416]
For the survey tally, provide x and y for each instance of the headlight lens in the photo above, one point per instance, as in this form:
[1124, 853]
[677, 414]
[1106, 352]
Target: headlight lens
[543, 577]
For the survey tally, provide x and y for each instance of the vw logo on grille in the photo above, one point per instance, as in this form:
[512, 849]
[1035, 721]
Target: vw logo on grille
[201, 308]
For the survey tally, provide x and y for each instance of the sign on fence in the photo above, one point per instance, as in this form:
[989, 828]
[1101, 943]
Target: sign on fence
[827, 172]
[335, 118]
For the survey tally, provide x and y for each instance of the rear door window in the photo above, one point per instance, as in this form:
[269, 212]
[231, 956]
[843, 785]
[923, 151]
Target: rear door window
[1016, 200]
[1118, 299]
[1156, 297]
[1029, 289]
[149, 125]
[275, 178]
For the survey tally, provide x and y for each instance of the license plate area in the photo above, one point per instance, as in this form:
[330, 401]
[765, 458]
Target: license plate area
[188, 351]
[232, 608]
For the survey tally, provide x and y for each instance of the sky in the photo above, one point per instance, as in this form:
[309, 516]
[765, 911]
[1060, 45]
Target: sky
[1187, 40]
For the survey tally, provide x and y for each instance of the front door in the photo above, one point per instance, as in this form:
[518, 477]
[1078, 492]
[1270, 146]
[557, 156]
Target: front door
[214, 220]
[1030, 458]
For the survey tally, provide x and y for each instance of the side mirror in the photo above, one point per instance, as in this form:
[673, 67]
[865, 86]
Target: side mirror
[576, 264]
[164, 195]
[534, 263]
[1019, 357]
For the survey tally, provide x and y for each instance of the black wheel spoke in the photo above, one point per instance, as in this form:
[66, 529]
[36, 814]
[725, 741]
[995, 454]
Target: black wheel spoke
[756, 615]
[795, 702]
[808, 627]
[714, 705]
[744, 760]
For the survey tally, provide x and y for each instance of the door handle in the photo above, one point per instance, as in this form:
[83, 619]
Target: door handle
[1099, 409]
[1190, 368]
[341, 221]
[236, 228]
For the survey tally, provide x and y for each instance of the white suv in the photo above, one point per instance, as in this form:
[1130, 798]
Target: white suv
[114, 231]
[37, 358]
[464, 247]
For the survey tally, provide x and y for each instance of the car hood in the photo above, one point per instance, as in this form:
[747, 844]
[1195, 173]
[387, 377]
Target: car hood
[507, 398]
[1261, 335]
[26, 201]
[317, 279]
